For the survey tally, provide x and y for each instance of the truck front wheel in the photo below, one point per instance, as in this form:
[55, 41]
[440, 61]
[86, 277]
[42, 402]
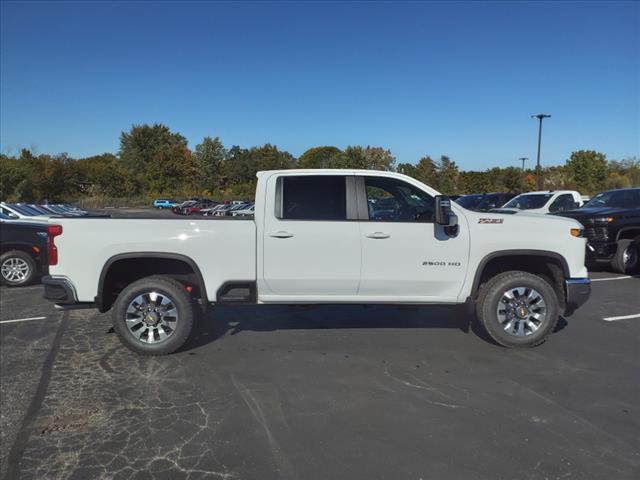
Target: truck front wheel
[518, 309]
[153, 316]
[627, 257]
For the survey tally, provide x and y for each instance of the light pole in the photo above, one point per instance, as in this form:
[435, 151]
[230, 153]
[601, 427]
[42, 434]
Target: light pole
[523, 159]
[540, 116]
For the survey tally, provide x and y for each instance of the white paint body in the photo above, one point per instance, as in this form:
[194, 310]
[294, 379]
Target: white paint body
[319, 261]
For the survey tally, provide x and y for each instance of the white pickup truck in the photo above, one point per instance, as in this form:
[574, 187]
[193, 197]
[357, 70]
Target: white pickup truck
[322, 236]
[546, 201]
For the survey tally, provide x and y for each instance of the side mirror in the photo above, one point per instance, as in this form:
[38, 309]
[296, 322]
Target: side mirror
[444, 214]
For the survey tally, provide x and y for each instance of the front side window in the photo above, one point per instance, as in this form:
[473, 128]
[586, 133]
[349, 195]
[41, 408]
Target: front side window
[393, 200]
[562, 203]
[314, 197]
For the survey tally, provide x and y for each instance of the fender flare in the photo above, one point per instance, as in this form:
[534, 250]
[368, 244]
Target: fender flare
[99, 301]
[511, 253]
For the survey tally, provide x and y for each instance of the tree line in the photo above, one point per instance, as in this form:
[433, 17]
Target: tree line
[153, 162]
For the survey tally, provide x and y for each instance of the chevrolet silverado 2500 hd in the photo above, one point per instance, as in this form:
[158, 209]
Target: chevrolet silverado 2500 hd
[322, 236]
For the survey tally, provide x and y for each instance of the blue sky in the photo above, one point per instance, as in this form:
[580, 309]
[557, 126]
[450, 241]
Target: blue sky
[457, 78]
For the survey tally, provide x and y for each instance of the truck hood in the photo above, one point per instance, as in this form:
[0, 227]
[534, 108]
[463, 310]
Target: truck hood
[525, 220]
[582, 213]
[511, 211]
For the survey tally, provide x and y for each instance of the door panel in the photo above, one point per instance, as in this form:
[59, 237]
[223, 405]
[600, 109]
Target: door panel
[404, 254]
[311, 247]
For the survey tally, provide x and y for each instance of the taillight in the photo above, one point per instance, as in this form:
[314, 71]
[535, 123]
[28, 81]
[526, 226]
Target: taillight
[52, 232]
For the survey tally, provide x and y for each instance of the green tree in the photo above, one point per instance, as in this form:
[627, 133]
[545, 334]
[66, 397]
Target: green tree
[105, 175]
[589, 170]
[512, 179]
[12, 172]
[242, 165]
[368, 158]
[426, 171]
[145, 146]
[322, 157]
[209, 157]
[378, 158]
[171, 170]
[447, 174]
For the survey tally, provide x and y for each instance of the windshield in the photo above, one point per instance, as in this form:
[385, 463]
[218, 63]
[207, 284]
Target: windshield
[469, 201]
[616, 198]
[528, 201]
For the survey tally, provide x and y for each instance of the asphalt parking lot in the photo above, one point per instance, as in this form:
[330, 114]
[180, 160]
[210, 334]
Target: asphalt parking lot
[370, 392]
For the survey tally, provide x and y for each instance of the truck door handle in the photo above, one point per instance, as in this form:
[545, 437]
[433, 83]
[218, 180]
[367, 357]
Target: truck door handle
[281, 234]
[378, 235]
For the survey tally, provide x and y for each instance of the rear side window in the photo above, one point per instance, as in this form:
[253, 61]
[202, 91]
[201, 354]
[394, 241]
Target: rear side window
[314, 197]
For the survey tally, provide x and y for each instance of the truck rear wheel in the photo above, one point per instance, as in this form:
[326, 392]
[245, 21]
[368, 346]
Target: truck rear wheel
[627, 257]
[153, 316]
[17, 268]
[518, 309]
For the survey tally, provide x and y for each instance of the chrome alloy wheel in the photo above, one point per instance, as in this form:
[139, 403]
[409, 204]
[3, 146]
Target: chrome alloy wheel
[151, 317]
[521, 311]
[14, 270]
[630, 256]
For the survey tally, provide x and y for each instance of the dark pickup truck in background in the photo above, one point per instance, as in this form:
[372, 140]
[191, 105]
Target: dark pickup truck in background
[611, 222]
[483, 202]
[23, 251]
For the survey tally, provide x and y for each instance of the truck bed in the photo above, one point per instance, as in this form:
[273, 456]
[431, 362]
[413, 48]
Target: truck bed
[226, 250]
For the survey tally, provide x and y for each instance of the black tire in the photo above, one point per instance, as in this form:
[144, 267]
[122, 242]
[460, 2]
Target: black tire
[23, 261]
[165, 286]
[492, 293]
[627, 257]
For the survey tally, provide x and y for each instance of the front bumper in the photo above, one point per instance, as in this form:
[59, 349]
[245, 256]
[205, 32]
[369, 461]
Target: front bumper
[577, 291]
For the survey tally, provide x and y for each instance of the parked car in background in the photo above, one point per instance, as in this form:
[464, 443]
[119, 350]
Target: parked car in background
[245, 211]
[41, 212]
[198, 206]
[163, 203]
[177, 208]
[236, 207]
[209, 212]
[485, 201]
[611, 222]
[22, 212]
[548, 201]
[223, 210]
[23, 251]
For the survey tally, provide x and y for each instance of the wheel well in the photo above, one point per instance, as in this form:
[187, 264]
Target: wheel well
[630, 234]
[550, 268]
[120, 272]
[7, 247]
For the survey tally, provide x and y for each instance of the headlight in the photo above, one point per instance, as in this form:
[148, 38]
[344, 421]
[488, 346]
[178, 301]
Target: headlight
[603, 219]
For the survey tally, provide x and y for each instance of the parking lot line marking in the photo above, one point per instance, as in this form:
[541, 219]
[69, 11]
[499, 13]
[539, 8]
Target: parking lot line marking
[613, 278]
[22, 320]
[624, 317]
